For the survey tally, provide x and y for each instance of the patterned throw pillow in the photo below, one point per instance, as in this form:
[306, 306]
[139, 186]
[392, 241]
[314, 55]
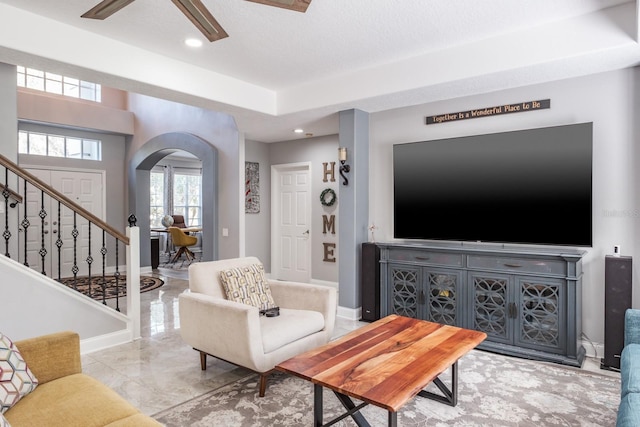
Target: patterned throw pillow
[16, 379]
[4, 422]
[247, 285]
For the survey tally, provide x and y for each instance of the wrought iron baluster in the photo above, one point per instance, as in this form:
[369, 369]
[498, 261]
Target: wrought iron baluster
[59, 242]
[43, 215]
[103, 251]
[6, 194]
[25, 225]
[75, 268]
[90, 261]
[117, 276]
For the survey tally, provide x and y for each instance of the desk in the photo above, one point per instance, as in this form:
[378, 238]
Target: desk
[385, 364]
[168, 245]
[186, 230]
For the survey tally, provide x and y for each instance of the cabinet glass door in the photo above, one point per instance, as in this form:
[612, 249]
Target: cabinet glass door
[442, 297]
[405, 285]
[541, 314]
[490, 302]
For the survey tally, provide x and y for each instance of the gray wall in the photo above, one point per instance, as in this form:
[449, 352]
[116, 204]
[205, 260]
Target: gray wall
[258, 225]
[113, 149]
[315, 150]
[155, 117]
[8, 112]
[609, 100]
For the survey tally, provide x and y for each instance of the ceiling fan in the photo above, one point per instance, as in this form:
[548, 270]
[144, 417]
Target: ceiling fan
[197, 13]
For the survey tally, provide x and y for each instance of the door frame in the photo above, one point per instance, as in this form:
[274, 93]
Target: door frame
[276, 171]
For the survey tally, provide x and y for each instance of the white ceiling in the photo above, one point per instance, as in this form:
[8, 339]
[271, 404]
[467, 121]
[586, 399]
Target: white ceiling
[280, 69]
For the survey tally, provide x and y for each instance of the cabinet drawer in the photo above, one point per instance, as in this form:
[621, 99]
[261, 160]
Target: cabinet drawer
[521, 265]
[426, 257]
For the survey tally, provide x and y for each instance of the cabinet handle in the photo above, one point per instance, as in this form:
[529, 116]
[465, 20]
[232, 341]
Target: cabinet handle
[513, 310]
[423, 258]
[421, 297]
[512, 265]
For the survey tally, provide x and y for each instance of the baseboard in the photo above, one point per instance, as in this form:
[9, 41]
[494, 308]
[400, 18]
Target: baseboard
[324, 283]
[101, 342]
[350, 313]
[593, 349]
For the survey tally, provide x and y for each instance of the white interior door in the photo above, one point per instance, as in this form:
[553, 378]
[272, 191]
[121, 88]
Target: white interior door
[84, 188]
[291, 222]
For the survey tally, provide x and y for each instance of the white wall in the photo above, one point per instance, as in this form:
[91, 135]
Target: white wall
[33, 305]
[609, 100]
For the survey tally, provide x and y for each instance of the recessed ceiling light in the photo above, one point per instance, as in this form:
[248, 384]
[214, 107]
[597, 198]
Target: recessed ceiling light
[298, 130]
[193, 42]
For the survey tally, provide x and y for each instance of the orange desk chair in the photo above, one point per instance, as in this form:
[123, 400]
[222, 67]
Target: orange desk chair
[182, 240]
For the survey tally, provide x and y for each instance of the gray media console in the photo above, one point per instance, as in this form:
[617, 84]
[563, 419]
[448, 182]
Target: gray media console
[527, 301]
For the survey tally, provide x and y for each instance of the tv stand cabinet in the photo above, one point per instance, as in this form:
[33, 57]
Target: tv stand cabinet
[527, 301]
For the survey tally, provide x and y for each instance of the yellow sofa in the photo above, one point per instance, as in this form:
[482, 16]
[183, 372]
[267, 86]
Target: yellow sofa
[64, 395]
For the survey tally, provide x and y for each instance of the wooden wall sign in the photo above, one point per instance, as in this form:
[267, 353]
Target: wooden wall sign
[327, 199]
[490, 111]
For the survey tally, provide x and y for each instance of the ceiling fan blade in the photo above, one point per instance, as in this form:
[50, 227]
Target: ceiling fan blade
[297, 5]
[201, 18]
[106, 8]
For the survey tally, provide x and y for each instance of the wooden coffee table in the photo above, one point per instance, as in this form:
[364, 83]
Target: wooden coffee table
[385, 364]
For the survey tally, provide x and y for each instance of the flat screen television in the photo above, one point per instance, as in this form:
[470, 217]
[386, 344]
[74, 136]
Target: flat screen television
[529, 186]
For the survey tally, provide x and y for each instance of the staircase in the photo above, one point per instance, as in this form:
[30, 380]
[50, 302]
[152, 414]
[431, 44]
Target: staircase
[46, 239]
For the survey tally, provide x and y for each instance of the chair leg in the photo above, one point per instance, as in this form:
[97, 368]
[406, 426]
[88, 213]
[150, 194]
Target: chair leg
[203, 360]
[263, 383]
[177, 255]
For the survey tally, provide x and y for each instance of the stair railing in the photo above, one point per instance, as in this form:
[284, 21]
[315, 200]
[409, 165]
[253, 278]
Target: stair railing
[65, 241]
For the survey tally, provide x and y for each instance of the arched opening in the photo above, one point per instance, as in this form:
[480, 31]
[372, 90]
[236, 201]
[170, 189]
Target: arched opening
[141, 164]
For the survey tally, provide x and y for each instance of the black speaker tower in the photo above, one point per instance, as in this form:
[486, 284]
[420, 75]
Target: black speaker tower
[617, 299]
[370, 282]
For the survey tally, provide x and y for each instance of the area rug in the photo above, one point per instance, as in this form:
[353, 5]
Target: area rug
[494, 390]
[96, 290]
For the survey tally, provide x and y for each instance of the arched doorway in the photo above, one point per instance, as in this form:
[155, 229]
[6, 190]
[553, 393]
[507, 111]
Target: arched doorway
[139, 175]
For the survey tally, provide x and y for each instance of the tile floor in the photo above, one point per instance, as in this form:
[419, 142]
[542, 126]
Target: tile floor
[159, 370]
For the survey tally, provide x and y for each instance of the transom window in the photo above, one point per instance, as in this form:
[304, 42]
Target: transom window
[58, 84]
[43, 144]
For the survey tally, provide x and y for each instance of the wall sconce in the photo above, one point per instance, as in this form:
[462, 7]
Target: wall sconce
[342, 156]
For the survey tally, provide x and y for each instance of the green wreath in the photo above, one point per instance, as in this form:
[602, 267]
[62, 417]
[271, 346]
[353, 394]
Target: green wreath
[323, 197]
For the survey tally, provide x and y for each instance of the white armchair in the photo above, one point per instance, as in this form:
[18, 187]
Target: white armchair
[237, 333]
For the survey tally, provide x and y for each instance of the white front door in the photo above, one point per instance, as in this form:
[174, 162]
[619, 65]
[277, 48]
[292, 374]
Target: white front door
[85, 189]
[291, 222]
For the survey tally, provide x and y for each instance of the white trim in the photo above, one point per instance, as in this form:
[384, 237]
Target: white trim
[324, 283]
[105, 341]
[350, 313]
[594, 349]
